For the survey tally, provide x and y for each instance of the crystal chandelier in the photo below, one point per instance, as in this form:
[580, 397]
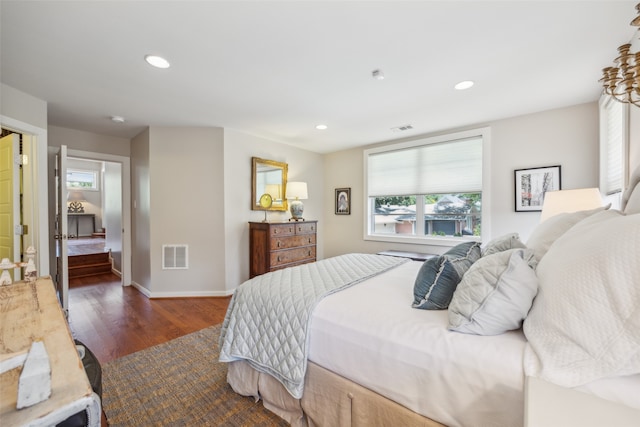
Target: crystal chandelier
[623, 81]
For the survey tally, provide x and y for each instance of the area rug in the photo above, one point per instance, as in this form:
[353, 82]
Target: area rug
[178, 383]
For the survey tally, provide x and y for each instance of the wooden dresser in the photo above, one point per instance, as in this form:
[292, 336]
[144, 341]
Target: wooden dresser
[276, 245]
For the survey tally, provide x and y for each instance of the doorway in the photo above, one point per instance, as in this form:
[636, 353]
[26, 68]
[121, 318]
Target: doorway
[116, 221]
[17, 204]
[94, 189]
[116, 202]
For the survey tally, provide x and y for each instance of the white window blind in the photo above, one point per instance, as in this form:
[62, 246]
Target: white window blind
[612, 146]
[445, 167]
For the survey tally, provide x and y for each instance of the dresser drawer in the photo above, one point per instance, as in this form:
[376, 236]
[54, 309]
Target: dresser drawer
[292, 255]
[286, 242]
[282, 230]
[305, 228]
[293, 264]
[277, 245]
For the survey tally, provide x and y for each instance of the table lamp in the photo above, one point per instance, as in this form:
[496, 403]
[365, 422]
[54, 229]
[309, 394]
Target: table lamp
[75, 199]
[557, 202]
[296, 191]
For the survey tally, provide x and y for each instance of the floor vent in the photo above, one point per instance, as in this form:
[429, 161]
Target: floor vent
[175, 257]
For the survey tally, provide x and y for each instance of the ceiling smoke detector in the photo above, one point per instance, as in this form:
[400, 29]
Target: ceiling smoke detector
[401, 128]
[377, 74]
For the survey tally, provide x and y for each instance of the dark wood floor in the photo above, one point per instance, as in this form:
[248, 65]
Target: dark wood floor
[114, 321]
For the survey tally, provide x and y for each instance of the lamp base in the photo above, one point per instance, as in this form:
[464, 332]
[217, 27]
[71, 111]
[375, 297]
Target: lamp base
[75, 207]
[296, 207]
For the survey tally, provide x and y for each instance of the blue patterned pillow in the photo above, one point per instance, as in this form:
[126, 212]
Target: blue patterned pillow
[439, 276]
[463, 255]
[435, 284]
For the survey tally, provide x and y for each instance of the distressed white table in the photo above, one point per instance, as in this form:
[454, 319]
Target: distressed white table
[31, 312]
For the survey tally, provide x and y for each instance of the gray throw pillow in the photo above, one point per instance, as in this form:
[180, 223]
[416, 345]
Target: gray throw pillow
[435, 284]
[463, 255]
[439, 276]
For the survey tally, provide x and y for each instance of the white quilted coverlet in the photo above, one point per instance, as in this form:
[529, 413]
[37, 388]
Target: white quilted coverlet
[585, 321]
[268, 317]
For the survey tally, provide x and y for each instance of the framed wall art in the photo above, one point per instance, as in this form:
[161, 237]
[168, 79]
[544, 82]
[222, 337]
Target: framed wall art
[343, 201]
[531, 185]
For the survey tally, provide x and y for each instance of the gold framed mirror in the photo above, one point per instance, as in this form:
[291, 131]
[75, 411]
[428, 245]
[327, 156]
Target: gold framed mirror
[268, 177]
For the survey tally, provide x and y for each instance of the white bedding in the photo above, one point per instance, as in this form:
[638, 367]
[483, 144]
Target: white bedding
[370, 334]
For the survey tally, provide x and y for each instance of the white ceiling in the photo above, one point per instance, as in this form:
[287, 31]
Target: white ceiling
[276, 69]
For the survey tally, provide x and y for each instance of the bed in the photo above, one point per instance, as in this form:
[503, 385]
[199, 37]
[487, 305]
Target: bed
[370, 358]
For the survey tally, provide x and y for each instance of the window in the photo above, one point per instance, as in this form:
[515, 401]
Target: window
[426, 191]
[78, 179]
[613, 146]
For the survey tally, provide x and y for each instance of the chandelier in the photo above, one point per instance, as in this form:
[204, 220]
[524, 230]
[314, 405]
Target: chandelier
[622, 82]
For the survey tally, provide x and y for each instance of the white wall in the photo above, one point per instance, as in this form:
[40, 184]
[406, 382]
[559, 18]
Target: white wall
[186, 173]
[93, 203]
[88, 141]
[566, 137]
[22, 106]
[112, 212]
[140, 213]
[302, 166]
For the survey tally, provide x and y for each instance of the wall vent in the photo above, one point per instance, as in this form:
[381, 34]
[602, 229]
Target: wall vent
[402, 128]
[175, 257]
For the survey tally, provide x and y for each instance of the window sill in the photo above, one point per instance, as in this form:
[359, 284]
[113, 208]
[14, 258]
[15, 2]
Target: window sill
[422, 240]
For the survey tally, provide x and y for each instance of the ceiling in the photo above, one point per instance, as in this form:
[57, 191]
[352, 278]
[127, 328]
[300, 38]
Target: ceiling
[277, 69]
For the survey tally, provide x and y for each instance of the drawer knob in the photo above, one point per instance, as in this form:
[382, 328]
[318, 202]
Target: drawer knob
[278, 244]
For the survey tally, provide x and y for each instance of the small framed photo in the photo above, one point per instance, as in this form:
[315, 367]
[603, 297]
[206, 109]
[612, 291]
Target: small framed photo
[531, 185]
[343, 201]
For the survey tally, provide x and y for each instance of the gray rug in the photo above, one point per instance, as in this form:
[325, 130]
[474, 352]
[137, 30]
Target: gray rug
[178, 383]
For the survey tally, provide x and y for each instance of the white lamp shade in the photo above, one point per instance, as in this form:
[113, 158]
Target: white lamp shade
[76, 196]
[297, 190]
[557, 202]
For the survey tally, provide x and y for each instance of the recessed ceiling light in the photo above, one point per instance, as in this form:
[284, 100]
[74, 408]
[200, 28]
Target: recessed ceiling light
[157, 61]
[464, 85]
[117, 119]
[321, 127]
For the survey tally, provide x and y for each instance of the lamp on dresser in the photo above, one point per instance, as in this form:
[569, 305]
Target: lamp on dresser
[296, 191]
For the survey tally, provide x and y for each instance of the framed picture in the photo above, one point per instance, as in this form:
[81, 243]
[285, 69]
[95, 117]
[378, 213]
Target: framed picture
[343, 201]
[532, 184]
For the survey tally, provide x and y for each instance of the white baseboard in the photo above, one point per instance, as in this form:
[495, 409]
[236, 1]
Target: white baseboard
[141, 288]
[197, 294]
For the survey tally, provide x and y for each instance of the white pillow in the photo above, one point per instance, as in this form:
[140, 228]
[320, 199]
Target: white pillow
[585, 321]
[548, 231]
[502, 243]
[495, 294]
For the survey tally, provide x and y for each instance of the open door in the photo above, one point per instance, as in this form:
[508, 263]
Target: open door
[10, 242]
[60, 236]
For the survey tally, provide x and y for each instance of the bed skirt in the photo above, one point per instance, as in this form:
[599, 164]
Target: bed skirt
[328, 400]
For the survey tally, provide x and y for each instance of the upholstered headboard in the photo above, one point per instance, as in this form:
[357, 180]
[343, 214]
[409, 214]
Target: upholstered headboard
[631, 196]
